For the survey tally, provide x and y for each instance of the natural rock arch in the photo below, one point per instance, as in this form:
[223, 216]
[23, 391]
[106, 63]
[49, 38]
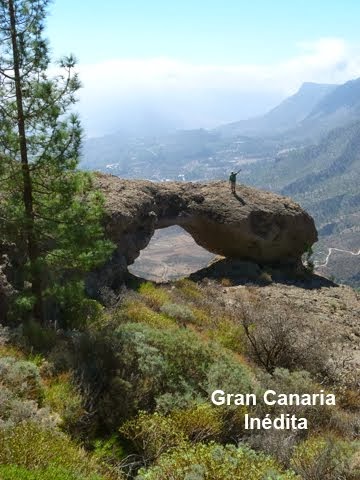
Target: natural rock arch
[252, 225]
[171, 254]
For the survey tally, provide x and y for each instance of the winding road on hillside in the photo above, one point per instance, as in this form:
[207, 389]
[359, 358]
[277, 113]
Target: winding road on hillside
[333, 249]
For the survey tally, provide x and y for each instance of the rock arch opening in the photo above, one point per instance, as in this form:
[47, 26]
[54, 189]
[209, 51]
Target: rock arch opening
[252, 225]
[171, 254]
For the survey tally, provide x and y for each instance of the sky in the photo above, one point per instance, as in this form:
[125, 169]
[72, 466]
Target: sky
[200, 63]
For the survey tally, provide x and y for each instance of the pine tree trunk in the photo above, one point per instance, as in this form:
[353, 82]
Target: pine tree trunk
[32, 247]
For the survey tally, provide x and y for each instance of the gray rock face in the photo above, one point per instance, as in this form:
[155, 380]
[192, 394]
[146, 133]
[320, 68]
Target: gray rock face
[252, 225]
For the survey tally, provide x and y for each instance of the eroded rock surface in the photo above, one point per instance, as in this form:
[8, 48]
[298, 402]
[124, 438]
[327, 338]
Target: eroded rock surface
[252, 225]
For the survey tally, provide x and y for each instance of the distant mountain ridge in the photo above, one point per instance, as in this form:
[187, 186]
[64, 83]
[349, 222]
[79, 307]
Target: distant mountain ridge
[307, 115]
[284, 116]
[343, 96]
[324, 179]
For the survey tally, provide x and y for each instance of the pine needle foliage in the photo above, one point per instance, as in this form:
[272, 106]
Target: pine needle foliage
[48, 209]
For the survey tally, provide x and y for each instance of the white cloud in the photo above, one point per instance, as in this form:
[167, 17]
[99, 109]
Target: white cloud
[324, 60]
[186, 89]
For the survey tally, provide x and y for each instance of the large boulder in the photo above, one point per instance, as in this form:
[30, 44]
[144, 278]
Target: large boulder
[252, 225]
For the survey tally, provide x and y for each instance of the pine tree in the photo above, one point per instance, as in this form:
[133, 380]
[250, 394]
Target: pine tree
[47, 205]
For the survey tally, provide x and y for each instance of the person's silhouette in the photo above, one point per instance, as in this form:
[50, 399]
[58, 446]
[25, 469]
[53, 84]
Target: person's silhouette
[232, 181]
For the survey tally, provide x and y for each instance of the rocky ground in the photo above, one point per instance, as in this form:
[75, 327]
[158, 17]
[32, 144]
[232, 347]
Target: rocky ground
[171, 254]
[335, 310]
[332, 309]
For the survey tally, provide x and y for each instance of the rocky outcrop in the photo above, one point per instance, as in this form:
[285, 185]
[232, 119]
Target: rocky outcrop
[252, 225]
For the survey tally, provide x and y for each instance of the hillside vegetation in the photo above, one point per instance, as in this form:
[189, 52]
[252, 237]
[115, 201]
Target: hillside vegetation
[102, 381]
[129, 395]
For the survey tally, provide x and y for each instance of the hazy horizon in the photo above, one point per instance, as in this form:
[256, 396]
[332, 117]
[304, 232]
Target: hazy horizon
[199, 65]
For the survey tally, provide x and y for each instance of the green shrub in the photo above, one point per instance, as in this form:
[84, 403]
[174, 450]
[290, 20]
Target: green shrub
[152, 435]
[135, 311]
[215, 462]
[190, 290]
[31, 447]
[62, 397]
[74, 309]
[22, 378]
[154, 296]
[265, 277]
[230, 375]
[9, 350]
[308, 260]
[227, 374]
[137, 367]
[323, 457]
[200, 423]
[38, 337]
[22, 394]
[230, 335]
[181, 313]
[109, 450]
[172, 364]
[13, 472]
[14, 410]
[202, 317]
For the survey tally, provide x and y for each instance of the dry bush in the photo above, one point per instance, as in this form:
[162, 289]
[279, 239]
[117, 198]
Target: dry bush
[22, 378]
[15, 411]
[295, 382]
[265, 277]
[226, 282]
[4, 335]
[280, 337]
[277, 443]
[345, 423]
[21, 395]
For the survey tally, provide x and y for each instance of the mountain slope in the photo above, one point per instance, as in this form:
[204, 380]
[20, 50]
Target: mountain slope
[346, 96]
[338, 108]
[286, 115]
[306, 116]
[325, 180]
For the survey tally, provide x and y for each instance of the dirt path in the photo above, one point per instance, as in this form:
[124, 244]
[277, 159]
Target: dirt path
[331, 250]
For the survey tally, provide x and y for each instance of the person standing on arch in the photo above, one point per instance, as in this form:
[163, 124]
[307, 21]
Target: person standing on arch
[232, 181]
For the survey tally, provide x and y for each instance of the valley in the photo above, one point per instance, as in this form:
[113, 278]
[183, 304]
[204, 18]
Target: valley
[307, 148]
[171, 254]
